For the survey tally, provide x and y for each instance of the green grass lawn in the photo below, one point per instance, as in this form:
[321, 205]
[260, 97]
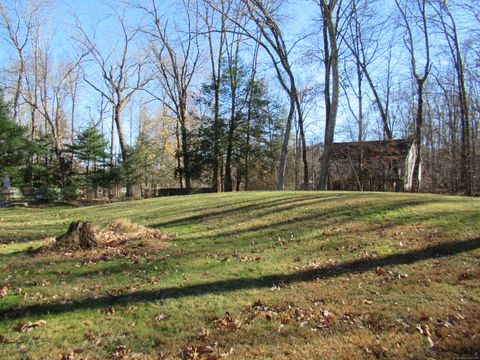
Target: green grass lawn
[276, 275]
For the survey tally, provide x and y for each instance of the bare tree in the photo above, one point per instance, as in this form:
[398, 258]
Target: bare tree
[248, 100]
[332, 82]
[218, 26]
[73, 82]
[237, 100]
[18, 23]
[360, 39]
[448, 26]
[415, 17]
[177, 62]
[263, 15]
[122, 73]
[48, 89]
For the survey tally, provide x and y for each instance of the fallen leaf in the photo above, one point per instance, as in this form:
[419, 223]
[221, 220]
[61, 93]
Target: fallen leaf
[225, 354]
[425, 331]
[23, 327]
[328, 315]
[203, 334]
[120, 352]
[69, 356]
[228, 322]
[161, 317]
[203, 352]
[5, 340]
[3, 291]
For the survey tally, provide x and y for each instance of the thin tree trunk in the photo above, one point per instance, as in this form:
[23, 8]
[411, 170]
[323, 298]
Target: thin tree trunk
[185, 148]
[18, 91]
[418, 139]
[331, 99]
[216, 139]
[177, 156]
[231, 132]
[303, 142]
[286, 138]
[247, 147]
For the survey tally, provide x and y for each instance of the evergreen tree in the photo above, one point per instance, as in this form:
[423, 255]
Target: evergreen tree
[90, 152]
[251, 134]
[15, 148]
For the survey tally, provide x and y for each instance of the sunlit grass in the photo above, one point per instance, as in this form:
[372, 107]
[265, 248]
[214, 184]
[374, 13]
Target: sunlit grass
[309, 251]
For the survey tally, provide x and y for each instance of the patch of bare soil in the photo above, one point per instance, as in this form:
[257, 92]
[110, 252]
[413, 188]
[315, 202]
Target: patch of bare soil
[119, 239]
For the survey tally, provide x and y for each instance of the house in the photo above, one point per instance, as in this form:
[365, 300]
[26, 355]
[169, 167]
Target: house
[371, 165]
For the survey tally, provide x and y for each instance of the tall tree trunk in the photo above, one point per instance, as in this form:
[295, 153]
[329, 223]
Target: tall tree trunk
[247, 147]
[360, 124]
[331, 98]
[238, 177]
[383, 113]
[420, 80]
[228, 160]
[72, 113]
[302, 139]
[112, 140]
[231, 132]
[178, 155]
[216, 137]
[451, 34]
[121, 136]
[122, 143]
[416, 147]
[465, 151]
[18, 91]
[249, 117]
[286, 139]
[185, 147]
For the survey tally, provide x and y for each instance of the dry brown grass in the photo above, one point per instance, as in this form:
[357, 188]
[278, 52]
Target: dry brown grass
[120, 238]
[123, 230]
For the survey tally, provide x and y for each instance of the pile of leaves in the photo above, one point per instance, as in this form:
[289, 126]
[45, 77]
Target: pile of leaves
[123, 230]
[119, 239]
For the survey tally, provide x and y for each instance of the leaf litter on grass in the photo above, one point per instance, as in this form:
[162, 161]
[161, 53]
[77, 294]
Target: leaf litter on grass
[119, 239]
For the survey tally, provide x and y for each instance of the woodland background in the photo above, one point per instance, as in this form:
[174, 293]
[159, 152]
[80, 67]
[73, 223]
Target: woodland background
[110, 99]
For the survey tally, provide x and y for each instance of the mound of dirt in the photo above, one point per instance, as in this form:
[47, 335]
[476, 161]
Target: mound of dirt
[121, 238]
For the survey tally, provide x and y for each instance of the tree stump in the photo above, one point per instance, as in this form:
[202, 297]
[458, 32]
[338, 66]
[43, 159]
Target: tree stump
[79, 234]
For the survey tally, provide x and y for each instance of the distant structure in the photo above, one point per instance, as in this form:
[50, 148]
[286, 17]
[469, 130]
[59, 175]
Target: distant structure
[371, 166]
[6, 188]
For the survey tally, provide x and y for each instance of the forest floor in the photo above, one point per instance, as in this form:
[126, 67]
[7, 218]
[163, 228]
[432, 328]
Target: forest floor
[268, 275]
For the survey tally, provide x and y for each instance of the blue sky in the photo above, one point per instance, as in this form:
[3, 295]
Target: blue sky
[95, 15]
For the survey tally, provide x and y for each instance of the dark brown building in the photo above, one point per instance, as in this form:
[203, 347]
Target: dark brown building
[370, 165]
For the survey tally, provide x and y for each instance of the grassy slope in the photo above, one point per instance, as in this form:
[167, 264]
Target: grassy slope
[369, 259]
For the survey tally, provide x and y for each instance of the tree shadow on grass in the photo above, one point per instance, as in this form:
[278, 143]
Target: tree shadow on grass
[323, 218]
[6, 239]
[12, 234]
[256, 206]
[226, 286]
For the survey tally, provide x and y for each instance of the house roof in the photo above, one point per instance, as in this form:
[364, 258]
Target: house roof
[383, 149]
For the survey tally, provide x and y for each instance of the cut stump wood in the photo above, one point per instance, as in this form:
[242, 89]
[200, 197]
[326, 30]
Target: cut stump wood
[79, 234]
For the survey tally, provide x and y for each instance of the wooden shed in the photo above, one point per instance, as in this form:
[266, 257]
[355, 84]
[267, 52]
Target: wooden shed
[370, 165]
